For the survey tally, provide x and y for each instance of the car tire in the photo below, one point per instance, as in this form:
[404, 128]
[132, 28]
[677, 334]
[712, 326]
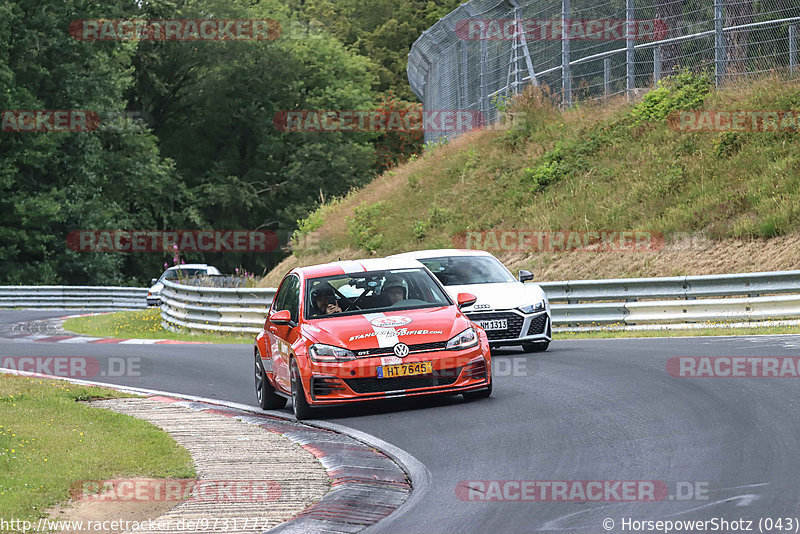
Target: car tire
[300, 405]
[535, 347]
[265, 393]
[481, 394]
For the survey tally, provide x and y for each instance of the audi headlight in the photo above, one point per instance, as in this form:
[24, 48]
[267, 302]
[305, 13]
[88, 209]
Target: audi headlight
[466, 339]
[329, 353]
[533, 308]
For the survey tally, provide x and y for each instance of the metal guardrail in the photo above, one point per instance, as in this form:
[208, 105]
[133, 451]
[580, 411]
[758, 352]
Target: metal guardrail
[121, 298]
[627, 301]
[679, 299]
[683, 287]
[203, 309]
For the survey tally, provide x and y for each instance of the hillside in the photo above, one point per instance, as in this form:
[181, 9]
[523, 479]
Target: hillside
[723, 201]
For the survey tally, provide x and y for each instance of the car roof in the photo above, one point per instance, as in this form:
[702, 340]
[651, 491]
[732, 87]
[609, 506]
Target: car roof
[192, 266]
[441, 252]
[357, 266]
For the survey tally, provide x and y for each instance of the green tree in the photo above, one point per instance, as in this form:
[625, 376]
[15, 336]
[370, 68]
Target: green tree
[54, 183]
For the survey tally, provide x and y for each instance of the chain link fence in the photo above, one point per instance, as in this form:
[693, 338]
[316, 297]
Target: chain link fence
[485, 51]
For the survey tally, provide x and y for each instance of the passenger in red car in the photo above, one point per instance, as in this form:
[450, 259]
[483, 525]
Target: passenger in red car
[395, 289]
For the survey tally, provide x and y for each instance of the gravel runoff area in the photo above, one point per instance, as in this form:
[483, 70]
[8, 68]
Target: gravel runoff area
[326, 481]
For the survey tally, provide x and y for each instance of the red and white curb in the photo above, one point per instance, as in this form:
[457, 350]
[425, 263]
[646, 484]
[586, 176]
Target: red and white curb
[370, 479]
[27, 332]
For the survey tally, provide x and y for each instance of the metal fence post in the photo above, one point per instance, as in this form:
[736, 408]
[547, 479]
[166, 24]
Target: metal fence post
[464, 78]
[629, 80]
[484, 105]
[792, 48]
[656, 64]
[719, 43]
[566, 74]
[606, 77]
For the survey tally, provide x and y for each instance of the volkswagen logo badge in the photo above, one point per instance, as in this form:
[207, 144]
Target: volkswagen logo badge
[401, 350]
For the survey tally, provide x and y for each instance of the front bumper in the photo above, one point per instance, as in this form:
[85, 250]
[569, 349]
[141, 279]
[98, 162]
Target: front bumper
[453, 372]
[522, 328]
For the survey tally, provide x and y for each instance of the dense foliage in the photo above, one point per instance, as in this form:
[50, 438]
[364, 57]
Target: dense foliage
[203, 152]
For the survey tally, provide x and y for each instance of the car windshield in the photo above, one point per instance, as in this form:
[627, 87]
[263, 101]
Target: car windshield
[468, 270]
[175, 274]
[372, 292]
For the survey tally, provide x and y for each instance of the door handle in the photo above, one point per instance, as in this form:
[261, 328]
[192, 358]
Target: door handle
[273, 329]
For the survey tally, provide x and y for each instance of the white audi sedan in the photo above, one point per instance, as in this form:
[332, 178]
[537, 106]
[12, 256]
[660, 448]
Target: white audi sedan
[511, 311]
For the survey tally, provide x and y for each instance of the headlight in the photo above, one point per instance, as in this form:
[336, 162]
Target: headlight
[531, 308]
[466, 339]
[329, 353]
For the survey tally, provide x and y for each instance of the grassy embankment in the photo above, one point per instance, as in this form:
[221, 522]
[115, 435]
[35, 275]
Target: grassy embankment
[724, 202]
[50, 441]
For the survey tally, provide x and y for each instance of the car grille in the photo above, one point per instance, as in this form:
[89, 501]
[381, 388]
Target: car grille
[420, 347]
[538, 324]
[514, 324]
[444, 377]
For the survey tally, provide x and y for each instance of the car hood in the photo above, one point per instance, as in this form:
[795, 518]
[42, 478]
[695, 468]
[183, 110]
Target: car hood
[412, 327]
[504, 296]
[156, 289]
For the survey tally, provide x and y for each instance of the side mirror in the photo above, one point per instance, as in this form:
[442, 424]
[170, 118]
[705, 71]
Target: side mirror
[466, 299]
[153, 281]
[525, 276]
[281, 318]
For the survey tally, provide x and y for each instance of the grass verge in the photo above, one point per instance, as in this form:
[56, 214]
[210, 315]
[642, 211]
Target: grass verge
[49, 441]
[721, 331]
[145, 324]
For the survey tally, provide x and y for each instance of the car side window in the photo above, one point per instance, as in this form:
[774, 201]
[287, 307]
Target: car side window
[293, 298]
[279, 302]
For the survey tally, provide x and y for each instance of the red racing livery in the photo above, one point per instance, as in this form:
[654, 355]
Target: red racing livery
[364, 330]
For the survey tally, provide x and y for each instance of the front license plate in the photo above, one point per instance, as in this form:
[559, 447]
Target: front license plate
[405, 369]
[495, 324]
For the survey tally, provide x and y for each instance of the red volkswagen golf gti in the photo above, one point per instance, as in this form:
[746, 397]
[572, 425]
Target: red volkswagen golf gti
[363, 330]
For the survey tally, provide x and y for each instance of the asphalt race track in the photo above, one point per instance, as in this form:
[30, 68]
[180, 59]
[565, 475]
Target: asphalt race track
[602, 410]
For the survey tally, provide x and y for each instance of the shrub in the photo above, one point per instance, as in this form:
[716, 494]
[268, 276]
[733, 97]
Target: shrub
[681, 91]
[361, 227]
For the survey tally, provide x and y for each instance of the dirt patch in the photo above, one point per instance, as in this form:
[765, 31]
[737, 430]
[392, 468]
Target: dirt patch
[98, 512]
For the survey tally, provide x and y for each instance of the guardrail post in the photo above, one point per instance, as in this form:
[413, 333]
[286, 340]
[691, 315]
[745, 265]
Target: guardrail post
[656, 64]
[629, 25]
[792, 48]
[566, 74]
[606, 77]
[719, 43]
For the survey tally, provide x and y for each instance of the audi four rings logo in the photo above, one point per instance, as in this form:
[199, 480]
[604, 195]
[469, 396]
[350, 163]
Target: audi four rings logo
[401, 350]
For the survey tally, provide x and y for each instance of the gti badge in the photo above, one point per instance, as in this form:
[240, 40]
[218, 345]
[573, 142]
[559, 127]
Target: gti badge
[401, 350]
